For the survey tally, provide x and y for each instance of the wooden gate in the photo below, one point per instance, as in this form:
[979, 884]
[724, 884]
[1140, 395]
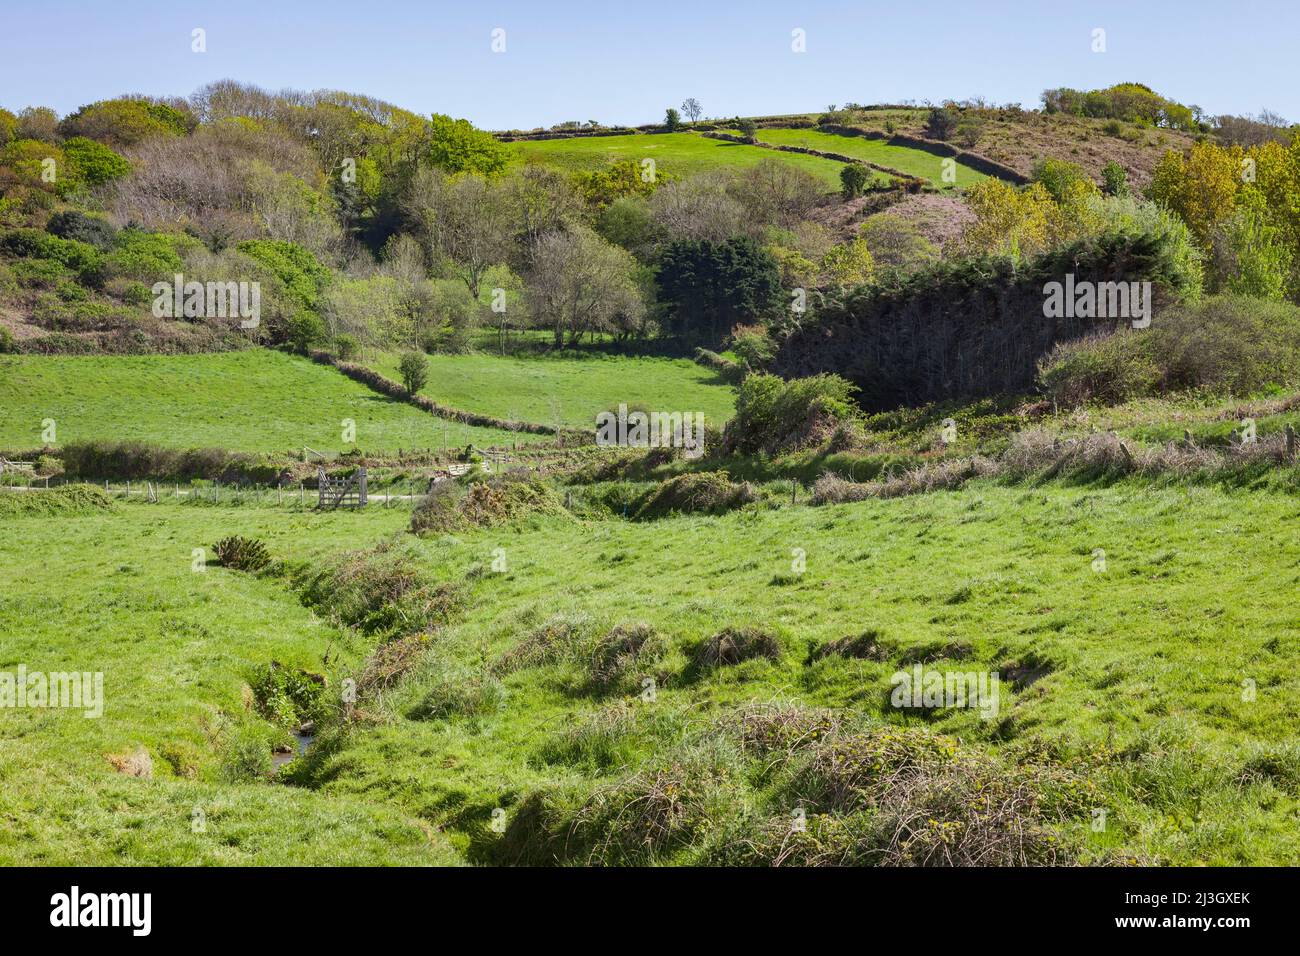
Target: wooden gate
[346, 492]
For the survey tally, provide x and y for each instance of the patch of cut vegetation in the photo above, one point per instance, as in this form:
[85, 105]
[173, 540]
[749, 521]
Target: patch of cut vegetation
[483, 503]
[884, 796]
[700, 492]
[59, 500]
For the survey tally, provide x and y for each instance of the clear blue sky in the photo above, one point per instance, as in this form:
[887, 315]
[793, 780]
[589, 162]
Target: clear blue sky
[624, 62]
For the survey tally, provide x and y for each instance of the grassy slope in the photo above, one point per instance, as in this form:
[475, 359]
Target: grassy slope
[1020, 140]
[115, 593]
[543, 389]
[256, 400]
[682, 154]
[916, 162]
[1196, 598]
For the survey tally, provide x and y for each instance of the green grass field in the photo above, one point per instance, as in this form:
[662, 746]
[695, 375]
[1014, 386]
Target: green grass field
[681, 154]
[117, 593]
[916, 162]
[570, 391]
[258, 401]
[1143, 665]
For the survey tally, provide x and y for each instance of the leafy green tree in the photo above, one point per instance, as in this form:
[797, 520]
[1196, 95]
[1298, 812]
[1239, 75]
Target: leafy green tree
[94, 163]
[709, 287]
[125, 122]
[1200, 187]
[853, 180]
[302, 280]
[456, 146]
[848, 264]
[1059, 177]
[8, 127]
[627, 177]
[1114, 180]
[1250, 254]
[672, 120]
[414, 369]
[627, 222]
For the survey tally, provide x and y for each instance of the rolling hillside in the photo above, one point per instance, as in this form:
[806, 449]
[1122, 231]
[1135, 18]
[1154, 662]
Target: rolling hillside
[680, 154]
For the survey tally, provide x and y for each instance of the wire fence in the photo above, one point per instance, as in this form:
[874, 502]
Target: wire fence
[300, 496]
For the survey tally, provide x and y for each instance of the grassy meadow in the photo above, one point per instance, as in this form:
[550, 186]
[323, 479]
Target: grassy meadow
[116, 591]
[567, 390]
[1136, 671]
[915, 162]
[256, 400]
[680, 154]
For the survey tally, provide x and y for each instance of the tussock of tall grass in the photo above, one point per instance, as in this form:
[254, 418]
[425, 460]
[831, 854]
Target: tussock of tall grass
[733, 645]
[383, 590]
[669, 805]
[619, 653]
[561, 638]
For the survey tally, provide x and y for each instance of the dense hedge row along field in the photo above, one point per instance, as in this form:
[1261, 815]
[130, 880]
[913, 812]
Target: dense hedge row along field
[1133, 673]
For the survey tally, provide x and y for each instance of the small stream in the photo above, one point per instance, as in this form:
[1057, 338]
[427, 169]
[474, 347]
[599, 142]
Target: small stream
[302, 741]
